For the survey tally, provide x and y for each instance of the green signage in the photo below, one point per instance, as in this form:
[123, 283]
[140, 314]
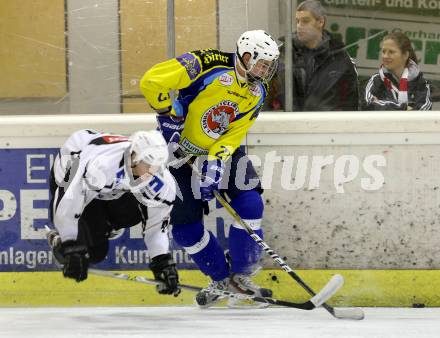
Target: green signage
[413, 7]
[362, 37]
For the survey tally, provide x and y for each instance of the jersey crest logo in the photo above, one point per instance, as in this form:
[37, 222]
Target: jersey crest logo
[255, 90]
[226, 79]
[216, 119]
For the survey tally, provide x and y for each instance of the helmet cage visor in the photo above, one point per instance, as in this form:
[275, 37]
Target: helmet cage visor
[261, 70]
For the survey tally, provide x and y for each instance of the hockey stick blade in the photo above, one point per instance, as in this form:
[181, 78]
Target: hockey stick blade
[308, 305]
[335, 283]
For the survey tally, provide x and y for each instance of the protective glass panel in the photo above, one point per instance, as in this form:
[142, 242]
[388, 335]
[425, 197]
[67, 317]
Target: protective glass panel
[360, 26]
[88, 56]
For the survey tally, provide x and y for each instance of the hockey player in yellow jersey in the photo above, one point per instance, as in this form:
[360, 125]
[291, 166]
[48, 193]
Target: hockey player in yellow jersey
[219, 97]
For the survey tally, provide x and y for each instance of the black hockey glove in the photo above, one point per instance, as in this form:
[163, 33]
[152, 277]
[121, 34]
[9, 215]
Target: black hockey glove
[164, 270]
[76, 260]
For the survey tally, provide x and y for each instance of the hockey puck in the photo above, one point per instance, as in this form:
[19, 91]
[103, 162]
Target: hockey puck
[418, 305]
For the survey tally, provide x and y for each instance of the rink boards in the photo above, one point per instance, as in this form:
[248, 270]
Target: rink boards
[351, 193]
[388, 288]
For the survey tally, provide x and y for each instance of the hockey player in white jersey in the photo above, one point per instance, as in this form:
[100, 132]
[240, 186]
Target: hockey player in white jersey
[101, 183]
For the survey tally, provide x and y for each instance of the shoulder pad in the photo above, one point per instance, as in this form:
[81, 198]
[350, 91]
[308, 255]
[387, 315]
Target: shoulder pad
[191, 64]
[211, 58]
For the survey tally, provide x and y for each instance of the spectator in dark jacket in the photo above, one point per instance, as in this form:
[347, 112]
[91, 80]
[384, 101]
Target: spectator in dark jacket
[324, 76]
[399, 84]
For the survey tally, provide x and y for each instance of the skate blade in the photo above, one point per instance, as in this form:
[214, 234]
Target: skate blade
[245, 304]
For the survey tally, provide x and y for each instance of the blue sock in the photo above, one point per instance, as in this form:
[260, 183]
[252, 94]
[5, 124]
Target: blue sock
[203, 248]
[244, 251]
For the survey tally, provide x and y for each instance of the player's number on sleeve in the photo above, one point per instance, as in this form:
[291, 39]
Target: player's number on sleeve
[163, 97]
[156, 184]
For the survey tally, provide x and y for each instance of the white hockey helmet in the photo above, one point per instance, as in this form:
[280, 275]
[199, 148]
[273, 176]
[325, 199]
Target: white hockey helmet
[261, 46]
[149, 147]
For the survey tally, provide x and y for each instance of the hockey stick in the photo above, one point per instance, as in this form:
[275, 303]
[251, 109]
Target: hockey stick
[353, 313]
[329, 290]
[316, 301]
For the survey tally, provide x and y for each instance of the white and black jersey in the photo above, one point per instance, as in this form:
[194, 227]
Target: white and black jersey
[93, 165]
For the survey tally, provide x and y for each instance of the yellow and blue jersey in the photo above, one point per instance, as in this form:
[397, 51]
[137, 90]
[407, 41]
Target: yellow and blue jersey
[218, 107]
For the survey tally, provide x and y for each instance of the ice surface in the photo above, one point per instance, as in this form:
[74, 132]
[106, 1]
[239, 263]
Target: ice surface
[219, 322]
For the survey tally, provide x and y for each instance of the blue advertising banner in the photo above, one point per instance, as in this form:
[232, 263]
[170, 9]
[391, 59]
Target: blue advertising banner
[24, 211]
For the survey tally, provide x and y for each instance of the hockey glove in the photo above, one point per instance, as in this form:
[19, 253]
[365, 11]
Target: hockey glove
[76, 260]
[170, 127]
[212, 172]
[164, 271]
[54, 241]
